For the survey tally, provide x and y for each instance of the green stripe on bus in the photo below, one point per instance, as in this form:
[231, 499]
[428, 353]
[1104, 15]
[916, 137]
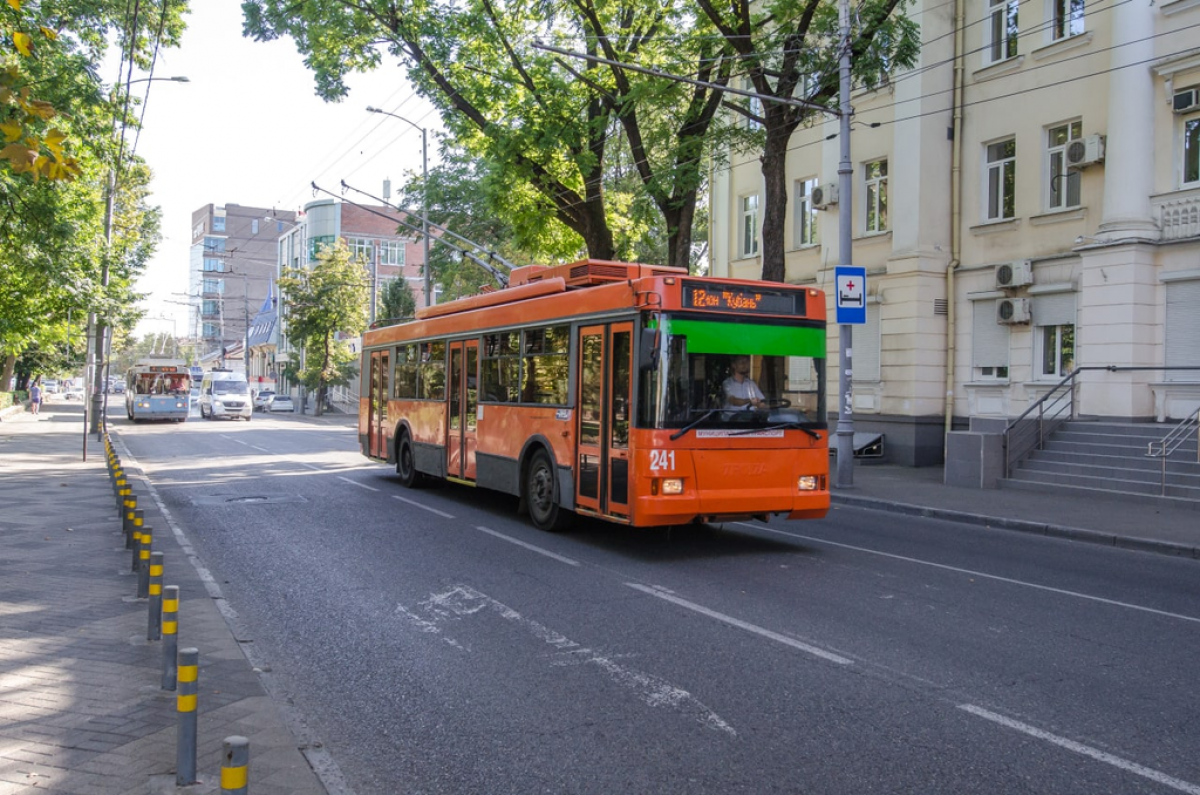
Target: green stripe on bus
[708, 336]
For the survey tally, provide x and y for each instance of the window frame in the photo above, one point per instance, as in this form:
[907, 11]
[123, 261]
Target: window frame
[805, 229]
[1057, 152]
[748, 225]
[1000, 173]
[875, 196]
[1066, 19]
[1062, 365]
[1002, 17]
[1191, 148]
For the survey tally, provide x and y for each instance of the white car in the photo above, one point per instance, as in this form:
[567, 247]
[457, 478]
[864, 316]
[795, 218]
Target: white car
[279, 403]
[74, 393]
[262, 399]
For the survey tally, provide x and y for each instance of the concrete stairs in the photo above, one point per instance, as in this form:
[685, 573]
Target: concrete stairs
[1093, 457]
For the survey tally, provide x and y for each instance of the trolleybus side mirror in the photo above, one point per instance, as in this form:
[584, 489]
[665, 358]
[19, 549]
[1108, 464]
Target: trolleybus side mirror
[649, 351]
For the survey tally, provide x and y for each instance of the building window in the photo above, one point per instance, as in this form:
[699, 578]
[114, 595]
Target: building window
[319, 243]
[1182, 335]
[1001, 30]
[218, 224]
[1001, 180]
[1056, 358]
[749, 227]
[754, 105]
[391, 252]
[1067, 19]
[213, 265]
[806, 214]
[214, 286]
[875, 174]
[216, 244]
[254, 226]
[211, 330]
[989, 343]
[210, 307]
[1063, 187]
[1191, 150]
[360, 248]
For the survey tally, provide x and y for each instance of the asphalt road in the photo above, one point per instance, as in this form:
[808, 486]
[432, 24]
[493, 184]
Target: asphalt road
[438, 643]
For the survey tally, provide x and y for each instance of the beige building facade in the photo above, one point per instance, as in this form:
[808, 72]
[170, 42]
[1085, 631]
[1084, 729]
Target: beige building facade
[1026, 201]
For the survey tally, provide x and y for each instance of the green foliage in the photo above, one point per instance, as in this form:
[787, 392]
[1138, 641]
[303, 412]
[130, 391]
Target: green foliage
[396, 301]
[321, 306]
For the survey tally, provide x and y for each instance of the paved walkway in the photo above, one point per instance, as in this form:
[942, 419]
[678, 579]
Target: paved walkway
[82, 711]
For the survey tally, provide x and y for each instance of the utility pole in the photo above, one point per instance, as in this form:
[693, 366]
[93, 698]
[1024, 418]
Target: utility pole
[845, 422]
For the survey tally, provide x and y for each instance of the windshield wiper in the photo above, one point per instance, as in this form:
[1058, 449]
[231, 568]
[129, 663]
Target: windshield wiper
[694, 423]
[793, 426]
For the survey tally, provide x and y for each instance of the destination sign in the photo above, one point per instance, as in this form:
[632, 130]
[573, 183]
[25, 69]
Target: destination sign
[163, 368]
[726, 298]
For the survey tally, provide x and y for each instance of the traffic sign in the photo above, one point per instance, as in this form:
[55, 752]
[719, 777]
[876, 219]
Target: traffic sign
[851, 294]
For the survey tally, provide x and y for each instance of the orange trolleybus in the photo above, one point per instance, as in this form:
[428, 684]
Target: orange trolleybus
[599, 389]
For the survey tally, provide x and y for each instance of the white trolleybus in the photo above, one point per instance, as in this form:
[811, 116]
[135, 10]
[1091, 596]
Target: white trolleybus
[157, 389]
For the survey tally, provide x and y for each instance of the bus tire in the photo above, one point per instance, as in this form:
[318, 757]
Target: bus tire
[406, 464]
[541, 494]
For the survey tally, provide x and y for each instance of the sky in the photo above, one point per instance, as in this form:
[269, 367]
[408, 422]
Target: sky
[248, 128]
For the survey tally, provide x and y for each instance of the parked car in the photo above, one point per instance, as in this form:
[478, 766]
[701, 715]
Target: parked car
[262, 398]
[279, 403]
[50, 386]
[74, 393]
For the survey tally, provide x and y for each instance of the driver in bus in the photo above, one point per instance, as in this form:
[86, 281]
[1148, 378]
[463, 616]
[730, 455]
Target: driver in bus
[741, 393]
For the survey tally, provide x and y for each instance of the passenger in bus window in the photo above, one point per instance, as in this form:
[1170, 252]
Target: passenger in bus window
[739, 388]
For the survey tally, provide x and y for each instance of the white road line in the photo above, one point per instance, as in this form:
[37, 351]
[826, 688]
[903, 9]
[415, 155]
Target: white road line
[263, 449]
[313, 467]
[981, 574]
[414, 503]
[530, 547]
[1080, 748]
[356, 483]
[736, 622]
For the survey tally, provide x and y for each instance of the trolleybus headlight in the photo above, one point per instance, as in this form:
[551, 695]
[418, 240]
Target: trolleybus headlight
[143, 404]
[808, 483]
[672, 486]
[178, 405]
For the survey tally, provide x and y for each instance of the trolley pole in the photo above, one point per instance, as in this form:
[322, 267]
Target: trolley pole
[845, 423]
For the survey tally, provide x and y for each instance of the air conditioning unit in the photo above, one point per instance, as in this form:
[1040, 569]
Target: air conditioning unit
[1010, 311]
[1085, 152]
[1186, 100]
[1017, 273]
[824, 195]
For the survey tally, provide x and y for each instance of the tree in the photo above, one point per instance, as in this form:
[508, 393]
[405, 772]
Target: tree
[789, 49]
[397, 302]
[322, 306]
[547, 129]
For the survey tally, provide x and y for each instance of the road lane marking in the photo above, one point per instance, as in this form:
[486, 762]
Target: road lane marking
[737, 622]
[313, 467]
[1086, 750]
[356, 483]
[263, 449]
[530, 547]
[463, 601]
[982, 575]
[414, 503]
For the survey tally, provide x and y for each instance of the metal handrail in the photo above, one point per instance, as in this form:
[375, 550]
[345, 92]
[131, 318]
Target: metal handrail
[1171, 442]
[1017, 442]
[1025, 434]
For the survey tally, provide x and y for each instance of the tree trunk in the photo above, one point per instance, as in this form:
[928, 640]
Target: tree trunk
[10, 366]
[775, 200]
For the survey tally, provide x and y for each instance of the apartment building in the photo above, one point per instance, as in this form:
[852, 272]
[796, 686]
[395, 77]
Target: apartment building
[231, 270]
[1026, 201]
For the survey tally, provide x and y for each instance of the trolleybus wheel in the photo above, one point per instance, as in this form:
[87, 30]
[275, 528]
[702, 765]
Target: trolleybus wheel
[406, 466]
[541, 494]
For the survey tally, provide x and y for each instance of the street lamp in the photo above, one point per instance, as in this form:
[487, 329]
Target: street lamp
[424, 194]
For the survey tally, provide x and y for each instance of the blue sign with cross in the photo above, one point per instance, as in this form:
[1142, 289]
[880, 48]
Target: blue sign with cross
[851, 286]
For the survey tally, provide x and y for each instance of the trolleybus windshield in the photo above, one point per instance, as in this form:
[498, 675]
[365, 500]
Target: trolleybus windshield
[683, 385]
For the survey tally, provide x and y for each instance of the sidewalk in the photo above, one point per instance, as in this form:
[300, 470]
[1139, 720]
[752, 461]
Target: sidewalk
[81, 705]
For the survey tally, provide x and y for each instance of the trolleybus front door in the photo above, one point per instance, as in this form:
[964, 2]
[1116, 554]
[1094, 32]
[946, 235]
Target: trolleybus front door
[378, 401]
[463, 394]
[602, 465]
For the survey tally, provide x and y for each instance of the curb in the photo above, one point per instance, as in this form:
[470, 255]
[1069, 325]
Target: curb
[1023, 526]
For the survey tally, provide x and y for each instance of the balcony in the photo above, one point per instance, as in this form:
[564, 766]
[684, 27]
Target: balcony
[1179, 214]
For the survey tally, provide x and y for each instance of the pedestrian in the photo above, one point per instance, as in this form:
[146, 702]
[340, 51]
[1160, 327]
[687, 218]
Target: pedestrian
[35, 396]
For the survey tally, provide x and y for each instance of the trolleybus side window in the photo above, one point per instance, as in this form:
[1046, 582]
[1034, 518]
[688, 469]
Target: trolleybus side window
[545, 365]
[405, 385]
[433, 371]
[501, 367]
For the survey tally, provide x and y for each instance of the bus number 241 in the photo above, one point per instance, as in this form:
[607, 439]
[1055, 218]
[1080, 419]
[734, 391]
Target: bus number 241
[662, 459]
